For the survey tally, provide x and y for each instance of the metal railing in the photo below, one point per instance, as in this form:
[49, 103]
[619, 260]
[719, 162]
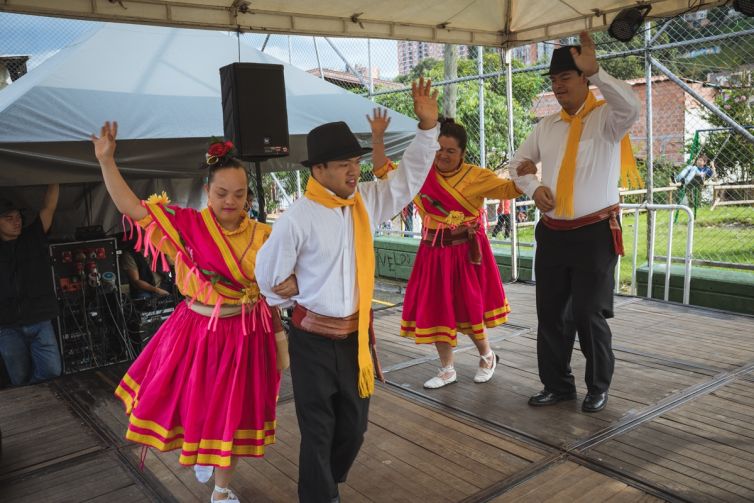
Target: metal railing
[671, 208]
[636, 209]
[668, 257]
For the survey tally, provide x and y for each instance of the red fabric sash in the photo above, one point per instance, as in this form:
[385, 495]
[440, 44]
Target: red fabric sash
[610, 213]
[196, 240]
[439, 201]
[436, 189]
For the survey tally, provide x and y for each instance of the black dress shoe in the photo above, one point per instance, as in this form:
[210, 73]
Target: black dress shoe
[594, 402]
[545, 397]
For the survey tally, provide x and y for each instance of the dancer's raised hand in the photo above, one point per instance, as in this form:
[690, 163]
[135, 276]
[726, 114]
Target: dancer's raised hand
[104, 144]
[123, 197]
[378, 122]
[586, 60]
[425, 103]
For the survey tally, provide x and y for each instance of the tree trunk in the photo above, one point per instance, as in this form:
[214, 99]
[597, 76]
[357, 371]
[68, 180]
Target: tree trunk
[451, 90]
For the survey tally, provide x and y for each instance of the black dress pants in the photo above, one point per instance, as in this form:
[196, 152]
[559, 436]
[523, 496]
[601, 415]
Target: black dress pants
[575, 281]
[332, 417]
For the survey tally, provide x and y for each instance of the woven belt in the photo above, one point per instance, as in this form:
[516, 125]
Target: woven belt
[336, 329]
[326, 326]
[226, 310]
[458, 236]
[610, 213]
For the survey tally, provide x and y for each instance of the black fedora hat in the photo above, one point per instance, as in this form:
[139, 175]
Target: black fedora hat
[333, 141]
[562, 60]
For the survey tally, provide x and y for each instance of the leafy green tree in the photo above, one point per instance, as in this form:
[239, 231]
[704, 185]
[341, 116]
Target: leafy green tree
[624, 68]
[526, 86]
[733, 153]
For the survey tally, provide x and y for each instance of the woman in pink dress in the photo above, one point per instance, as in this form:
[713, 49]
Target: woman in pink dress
[455, 283]
[207, 382]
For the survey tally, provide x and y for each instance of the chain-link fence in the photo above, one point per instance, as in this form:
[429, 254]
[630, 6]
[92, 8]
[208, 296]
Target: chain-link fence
[699, 67]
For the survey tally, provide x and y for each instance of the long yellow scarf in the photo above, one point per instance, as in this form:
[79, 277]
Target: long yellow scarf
[364, 272]
[629, 174]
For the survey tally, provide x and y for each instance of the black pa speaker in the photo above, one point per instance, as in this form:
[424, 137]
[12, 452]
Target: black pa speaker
[255, 118]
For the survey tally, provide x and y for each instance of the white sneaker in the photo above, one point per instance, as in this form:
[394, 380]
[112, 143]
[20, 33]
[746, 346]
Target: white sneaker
[485, 374]
[446, 375]
[232, 498]
[203, 473]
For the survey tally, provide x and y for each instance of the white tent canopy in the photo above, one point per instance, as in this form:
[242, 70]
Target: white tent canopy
[163, 87]
[467, 22]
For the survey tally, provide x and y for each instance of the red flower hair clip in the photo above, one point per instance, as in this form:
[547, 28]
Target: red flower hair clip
[219, 151]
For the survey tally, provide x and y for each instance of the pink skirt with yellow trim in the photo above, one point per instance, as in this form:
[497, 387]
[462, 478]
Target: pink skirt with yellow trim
[447, 294]
[211, 394]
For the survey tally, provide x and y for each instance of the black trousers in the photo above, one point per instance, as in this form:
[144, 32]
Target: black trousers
[331, 416]
[575, 281]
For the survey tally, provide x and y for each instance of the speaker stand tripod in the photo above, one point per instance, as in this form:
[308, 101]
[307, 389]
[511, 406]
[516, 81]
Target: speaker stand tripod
[260, 190]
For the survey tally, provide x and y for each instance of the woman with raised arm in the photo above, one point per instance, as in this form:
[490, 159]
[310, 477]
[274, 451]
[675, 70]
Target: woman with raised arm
[455, 284]
[208, 380]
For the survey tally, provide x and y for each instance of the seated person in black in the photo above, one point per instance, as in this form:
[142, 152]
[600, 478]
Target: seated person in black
[143, 282]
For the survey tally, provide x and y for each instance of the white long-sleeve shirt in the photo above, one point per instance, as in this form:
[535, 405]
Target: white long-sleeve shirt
[598, 161]
[317, 243]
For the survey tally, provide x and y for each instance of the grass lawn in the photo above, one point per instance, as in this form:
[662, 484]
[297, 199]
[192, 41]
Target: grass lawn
[723, 235]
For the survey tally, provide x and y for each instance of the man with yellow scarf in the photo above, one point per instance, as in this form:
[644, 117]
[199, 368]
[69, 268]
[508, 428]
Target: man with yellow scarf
[584, 151]
[319, 259]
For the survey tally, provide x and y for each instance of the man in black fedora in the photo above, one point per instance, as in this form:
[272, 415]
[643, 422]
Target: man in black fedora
[27, 299]
[584, 151]
[319, 259]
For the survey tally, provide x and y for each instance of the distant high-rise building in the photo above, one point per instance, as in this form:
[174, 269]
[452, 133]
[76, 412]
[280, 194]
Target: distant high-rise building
[532, 54]
[410, 53]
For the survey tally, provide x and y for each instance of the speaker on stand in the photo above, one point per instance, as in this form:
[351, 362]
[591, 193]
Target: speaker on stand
[255, 116]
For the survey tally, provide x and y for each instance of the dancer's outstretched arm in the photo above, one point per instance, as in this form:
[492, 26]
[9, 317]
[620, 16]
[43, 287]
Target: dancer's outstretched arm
[49, 206]
[386, 198]
[123, 197]
[378, 123]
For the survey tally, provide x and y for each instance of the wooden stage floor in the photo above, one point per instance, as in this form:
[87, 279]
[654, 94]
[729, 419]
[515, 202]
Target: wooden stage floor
[679, 425]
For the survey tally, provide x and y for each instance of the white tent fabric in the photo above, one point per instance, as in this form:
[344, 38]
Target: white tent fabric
[163, 87]
[468, 22]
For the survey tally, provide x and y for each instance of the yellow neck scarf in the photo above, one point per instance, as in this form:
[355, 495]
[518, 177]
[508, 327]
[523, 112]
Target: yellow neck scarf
[364, 272]
[629, 174]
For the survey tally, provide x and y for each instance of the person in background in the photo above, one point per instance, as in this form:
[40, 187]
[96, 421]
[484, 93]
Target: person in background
[143, 281]
[252, 205]
[27, 298]
[503, 218]
[692, 178]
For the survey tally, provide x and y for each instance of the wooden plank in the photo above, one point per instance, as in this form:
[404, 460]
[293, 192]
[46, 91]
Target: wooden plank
[648, 467]
[704, 467]
[38, 428]
[701, 451]
[481, 452]
[704, 447]
[544, 483]
[638, 383]
[177, 480]
[631, 495]
[410, 453]
[126, 494]
[99, 477]
[694, 446]
[503, 401]
[570, 482]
